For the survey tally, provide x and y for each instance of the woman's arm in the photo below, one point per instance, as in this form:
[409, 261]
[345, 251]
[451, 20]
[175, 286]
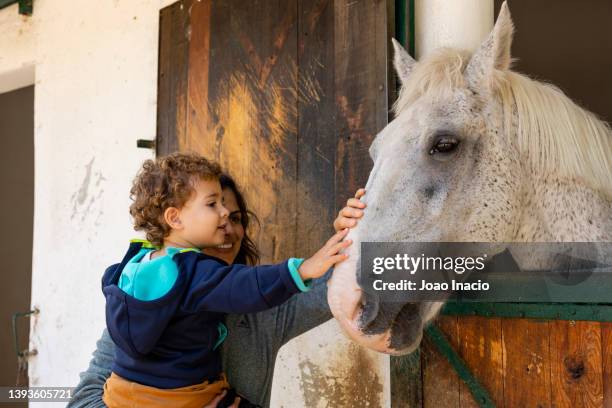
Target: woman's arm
[250, 349]
[88, 394]
[304, 311]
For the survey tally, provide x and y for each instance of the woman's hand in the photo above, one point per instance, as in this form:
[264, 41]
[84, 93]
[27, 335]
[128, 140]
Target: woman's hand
[218, 398]
[348, 216]
[326, 257]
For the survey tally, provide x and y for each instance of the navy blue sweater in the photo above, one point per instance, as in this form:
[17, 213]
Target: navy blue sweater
[169, 342]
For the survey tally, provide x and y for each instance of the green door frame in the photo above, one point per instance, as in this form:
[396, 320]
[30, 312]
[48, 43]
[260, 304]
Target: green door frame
[25, 6]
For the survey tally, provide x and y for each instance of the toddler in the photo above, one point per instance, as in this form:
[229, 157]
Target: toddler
[166, 300]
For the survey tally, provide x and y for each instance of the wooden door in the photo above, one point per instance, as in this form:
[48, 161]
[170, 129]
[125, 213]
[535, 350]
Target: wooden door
[287, 96]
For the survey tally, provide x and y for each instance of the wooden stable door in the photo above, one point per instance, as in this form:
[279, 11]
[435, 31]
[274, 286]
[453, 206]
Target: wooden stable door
[287, 96]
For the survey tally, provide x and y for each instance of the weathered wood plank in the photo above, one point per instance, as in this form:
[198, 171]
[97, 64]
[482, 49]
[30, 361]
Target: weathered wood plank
[226, 150]
[263, 106]
[406, 383]
[361, 97]
[480, 346]
[526, 362]
[316, 125]
[576, 364]
[164, 77]
[197, 136]
[172, 76]
[382, 46]
[606, 354]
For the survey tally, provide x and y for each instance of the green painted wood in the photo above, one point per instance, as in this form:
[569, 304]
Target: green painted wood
[25, 6]
[401, 27]
[411, 29]
[480, 394]
[404, 24]
[546, 311]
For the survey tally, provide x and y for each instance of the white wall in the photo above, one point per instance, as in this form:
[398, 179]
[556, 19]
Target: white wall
[17, 50]
[323, 368]
[95, 69]
[460, 24]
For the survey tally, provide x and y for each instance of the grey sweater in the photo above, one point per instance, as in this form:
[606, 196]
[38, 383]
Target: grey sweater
[249, 351]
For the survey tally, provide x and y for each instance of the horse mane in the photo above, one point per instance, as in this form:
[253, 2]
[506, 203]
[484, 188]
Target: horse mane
[554, 134]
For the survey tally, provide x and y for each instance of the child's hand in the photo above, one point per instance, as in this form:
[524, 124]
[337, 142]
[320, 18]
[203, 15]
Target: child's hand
[347, 217]
[326, 257]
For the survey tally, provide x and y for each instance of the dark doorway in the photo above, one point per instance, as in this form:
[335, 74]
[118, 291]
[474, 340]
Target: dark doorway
[16, 218]
[566, 43]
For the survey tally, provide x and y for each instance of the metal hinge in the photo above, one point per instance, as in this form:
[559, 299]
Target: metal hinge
[145, 144]
[22, 355]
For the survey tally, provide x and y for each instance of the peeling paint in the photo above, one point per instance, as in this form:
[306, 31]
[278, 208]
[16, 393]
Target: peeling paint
[352, 381]
[81, 195]
[82, 200]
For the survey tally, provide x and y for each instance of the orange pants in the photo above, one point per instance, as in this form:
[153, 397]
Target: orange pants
[122, 393]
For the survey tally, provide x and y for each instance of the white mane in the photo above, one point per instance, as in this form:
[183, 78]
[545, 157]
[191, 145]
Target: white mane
[555, 135]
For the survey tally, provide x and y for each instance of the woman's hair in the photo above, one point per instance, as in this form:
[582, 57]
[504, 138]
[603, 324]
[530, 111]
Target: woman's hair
[165, 182]
[248, 253]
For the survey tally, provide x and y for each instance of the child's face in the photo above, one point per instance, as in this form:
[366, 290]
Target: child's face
[203, 217]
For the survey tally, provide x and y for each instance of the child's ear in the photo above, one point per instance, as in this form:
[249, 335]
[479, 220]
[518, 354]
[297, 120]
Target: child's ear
[172, 218]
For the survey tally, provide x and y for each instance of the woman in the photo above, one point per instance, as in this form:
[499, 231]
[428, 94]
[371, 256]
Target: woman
[250, 348]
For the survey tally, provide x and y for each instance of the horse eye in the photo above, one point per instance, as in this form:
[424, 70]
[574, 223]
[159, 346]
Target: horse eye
[444, 144]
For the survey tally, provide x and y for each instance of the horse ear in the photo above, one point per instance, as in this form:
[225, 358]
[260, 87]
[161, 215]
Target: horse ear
[403, 62]
[494, 52]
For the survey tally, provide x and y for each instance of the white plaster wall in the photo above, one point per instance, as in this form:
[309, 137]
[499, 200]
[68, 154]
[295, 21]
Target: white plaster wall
[451, 23]
[323, 368]
[17, 51]
[95, 66]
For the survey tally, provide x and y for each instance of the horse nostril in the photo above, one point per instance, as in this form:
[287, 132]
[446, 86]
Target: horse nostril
[407, 327]
[378, 316]
[369, 308]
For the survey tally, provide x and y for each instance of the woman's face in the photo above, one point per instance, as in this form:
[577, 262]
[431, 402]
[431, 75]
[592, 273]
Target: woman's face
[234, 232]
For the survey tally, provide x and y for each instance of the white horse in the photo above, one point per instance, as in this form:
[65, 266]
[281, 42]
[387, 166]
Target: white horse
[476, 153]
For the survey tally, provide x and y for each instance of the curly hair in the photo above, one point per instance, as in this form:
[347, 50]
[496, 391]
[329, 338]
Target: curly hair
[165, 182]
